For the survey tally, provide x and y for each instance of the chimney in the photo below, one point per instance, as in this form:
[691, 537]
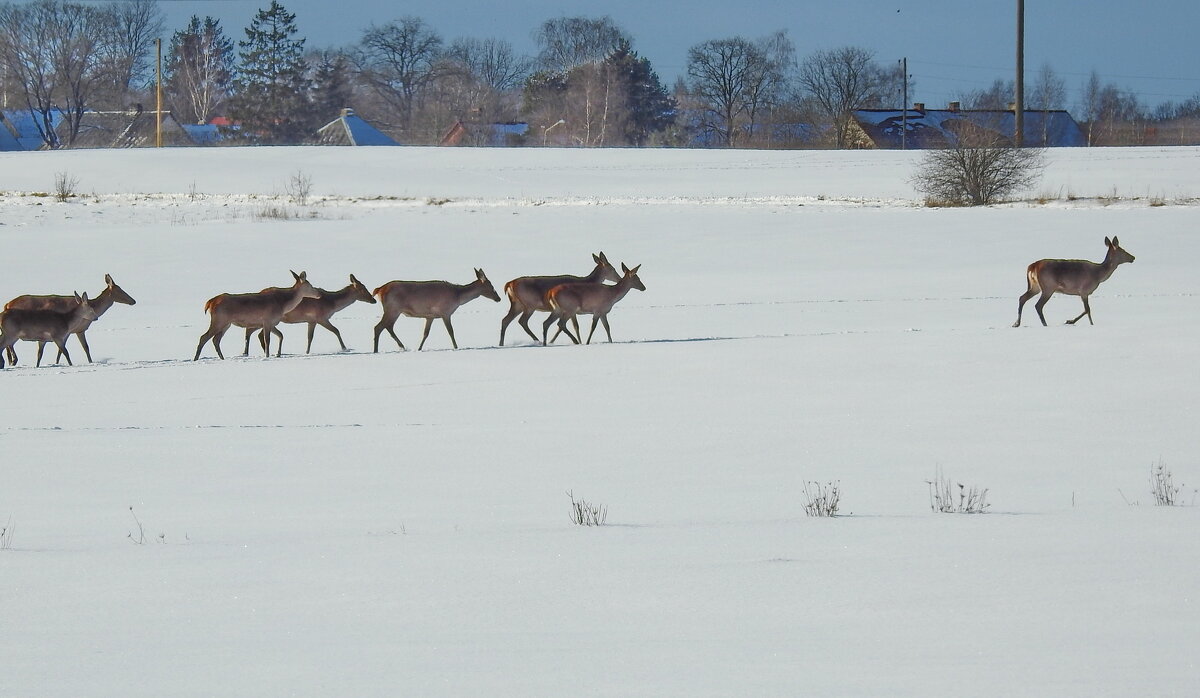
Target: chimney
[919, 106]
[955, 106]
[1012, 106]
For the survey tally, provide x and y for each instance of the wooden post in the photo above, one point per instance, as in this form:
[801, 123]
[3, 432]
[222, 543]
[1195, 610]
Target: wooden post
[158, 94]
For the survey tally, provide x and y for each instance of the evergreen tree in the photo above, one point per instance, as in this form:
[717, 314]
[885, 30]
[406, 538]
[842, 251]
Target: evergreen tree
[199, 70]
[651, 107]
[332, 87]
[271, 90]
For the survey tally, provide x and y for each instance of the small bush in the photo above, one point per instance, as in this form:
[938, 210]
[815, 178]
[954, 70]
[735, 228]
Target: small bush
[6, 535]
[822, 499]
[299, 187]
[945, 499]
[1163, 487]
[584, 513]
[978, 169]
[65, 186]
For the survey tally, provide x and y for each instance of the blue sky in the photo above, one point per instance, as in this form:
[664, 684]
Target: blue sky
[952, 48]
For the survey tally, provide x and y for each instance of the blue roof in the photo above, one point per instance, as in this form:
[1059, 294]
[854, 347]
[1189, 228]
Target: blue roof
[27, 137]
[352, 129]
[202, 134]
[934, 128]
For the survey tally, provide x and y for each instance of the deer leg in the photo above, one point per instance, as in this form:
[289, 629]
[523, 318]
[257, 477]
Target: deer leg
[249, 334]
[450, 329]
[546, 328]
[425, 334]
[1087, 310]
[6, 350]
[62, 349]
[595, 321]
[604, 321]
[1021, 304]
[575, 324]
[41, 348]
[329, 326]
[87, 351]
[524, 320]
[12, 356]
[216, 342]
[513, 311]
[312, 328]
[387, 323]
[562, 327]
[1041, 304]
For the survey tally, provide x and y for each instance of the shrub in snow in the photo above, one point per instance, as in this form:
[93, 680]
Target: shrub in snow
[955, 498]
[822, 499]
[1163, 487]
[584, 513]
[6, 535]
[979, 168]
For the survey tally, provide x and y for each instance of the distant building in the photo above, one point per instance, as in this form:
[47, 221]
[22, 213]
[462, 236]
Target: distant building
[19, 129]
[920, 128]
[351, 129]
[508, 133]
[128, 129]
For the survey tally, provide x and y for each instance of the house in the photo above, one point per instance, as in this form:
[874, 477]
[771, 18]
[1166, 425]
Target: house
[19, 129]
[351, 129]
[134, 128]
[500, 134]
[920, 128]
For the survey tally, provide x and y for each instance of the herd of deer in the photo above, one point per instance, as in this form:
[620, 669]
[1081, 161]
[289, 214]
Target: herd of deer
[45, 319]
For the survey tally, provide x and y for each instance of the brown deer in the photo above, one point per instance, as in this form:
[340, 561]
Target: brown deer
[104, 300]
[1076, 277]
[317, 311]
[570, 300]
[258, 310]
[43, 326]
[429, 300]
[527, 294]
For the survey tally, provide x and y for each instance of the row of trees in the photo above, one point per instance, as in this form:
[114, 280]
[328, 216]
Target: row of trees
[586, 86]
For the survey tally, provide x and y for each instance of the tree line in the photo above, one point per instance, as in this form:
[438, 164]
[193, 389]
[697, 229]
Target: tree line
[586, 86]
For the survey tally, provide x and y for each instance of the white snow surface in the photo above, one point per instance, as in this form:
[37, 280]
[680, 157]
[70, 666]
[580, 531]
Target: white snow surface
[397, 524]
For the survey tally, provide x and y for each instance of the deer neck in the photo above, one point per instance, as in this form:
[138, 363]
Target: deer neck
[294, 300]
[341, 299]
[102, 302]
[1108, 266]
[596, 276]
[470, 292]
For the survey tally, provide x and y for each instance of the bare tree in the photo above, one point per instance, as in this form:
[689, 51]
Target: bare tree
[397, 60]
[841, 81]
[1049, 91]
[566, 42]
[980, 167]
[997, 96]
[721, 75]
[491, 61]
[135, 26]
[57, 52]
[199, 69]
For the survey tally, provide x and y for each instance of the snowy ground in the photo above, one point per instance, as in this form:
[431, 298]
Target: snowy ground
[397, 524]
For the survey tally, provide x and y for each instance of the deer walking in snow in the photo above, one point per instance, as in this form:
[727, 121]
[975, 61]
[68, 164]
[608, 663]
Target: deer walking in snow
[567, 301]
[527, 294]
[429, 300]
[1075, 277]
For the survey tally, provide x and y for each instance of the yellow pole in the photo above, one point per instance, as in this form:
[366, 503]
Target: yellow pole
[158, 92]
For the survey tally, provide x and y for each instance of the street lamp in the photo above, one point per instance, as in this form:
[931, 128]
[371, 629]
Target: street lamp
[546, 130]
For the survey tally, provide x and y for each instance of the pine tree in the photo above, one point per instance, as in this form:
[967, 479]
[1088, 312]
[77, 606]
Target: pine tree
[199, 70]
[651, 107]
[332, 88]
[271, 90]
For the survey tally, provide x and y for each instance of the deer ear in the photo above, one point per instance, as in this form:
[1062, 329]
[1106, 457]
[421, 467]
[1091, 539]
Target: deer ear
[1107, 242]
[108, 279]
[1115, 243]
[480, 275]
[635, 269]
[624, 268]
[596, 258]
[353, 280]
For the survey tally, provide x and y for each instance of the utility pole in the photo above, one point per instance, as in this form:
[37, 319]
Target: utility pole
[1019, 107]
[904, 109]
[158, 93]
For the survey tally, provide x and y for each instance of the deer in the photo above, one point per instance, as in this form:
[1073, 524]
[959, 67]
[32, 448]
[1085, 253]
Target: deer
[527, 294]
[570, 300]
[1076, 277]
[429, 300]
[262, 310]
[317, 311]
[42, 325]
[104, 300]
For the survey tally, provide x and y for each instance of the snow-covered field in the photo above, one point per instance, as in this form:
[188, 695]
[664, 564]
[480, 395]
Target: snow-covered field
[397, 524]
